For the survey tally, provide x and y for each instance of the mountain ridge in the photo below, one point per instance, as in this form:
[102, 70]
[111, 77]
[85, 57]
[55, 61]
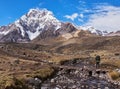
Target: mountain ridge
[41, 23]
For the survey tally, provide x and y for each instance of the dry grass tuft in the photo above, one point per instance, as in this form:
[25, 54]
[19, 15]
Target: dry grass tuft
[114, 75]
[42, 73]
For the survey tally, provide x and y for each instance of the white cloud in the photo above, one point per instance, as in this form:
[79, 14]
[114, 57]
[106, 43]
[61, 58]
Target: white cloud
[41, 3]
[81, 16]
[80, 20]
[105, 18]
[72, 17]
[9, 17]
[81, 2]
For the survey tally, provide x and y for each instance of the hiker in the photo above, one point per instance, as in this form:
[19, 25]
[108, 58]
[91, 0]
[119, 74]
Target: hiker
[97, 61]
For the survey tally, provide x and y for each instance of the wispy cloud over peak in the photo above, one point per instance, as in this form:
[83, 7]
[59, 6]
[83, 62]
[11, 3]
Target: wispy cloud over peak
[105, 18]
[81, 16]
[72, 17]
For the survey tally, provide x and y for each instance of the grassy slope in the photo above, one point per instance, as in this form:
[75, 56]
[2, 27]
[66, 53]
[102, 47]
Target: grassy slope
[31, 56]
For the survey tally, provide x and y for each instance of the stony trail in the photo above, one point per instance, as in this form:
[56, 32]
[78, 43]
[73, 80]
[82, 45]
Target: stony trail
[79, 74]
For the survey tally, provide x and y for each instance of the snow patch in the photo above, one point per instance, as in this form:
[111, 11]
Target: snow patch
[4, 32]
[21, 28]
[33, 35]
[93, 30]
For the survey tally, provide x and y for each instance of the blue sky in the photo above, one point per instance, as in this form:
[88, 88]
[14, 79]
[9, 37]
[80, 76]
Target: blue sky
[101, 14]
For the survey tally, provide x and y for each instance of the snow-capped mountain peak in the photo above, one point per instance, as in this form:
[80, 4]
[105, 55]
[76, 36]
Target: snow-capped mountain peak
[39, 13]
[93, 30]
[41, 24]
[35, 21]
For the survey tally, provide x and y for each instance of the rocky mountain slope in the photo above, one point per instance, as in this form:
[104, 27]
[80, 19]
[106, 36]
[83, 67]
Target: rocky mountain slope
[29, 26]
[117, 33]
[39, 24]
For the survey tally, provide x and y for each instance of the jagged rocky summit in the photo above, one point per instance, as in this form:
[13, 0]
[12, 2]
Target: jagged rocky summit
[39, 23]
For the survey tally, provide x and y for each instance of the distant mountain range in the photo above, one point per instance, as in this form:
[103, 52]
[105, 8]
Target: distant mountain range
[41, 24]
